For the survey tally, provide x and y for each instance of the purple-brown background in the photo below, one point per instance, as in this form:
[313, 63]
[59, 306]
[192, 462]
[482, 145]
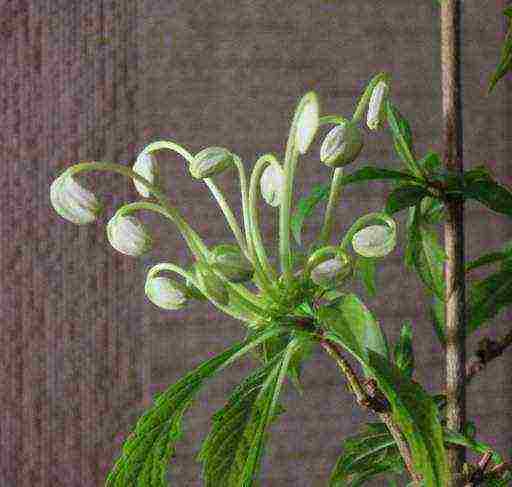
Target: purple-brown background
[82, 350]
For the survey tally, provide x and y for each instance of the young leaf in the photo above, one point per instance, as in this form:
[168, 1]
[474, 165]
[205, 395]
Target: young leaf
[431, 163]
[405, 196]
[351, 320]
[505, 62]
[403, 353]
[147, 451]
[488, 297]
[305, 209]
[224, 449]
[491, 194]
[371, 173]
[365, 269]
[366, 455]
[418, 417]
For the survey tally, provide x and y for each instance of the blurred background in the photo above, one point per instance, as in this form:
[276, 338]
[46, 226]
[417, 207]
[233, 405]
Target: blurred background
[82, 350]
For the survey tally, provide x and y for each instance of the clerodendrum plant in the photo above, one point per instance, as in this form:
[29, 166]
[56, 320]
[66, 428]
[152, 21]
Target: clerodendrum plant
[305, 303]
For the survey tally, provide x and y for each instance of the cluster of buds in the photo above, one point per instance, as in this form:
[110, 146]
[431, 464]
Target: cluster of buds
[219, 274]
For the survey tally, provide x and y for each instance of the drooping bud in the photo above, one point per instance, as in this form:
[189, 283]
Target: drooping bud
[230, 260]
[147, 167]
[341, 145]
[376, 107]
[166, 293]
[272, 184]
[210, 162]
[374, 241]
[332, 272]
[307, 121]
[128, 235]
[73, 202]
[211, 284]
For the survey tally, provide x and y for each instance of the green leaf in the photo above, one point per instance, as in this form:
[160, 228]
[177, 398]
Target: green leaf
[437, 312]
[351, 320]
[486, 259]
[404, 197]
[365, 455]
[365, 268]
[488, 297]
[223, 452]
[305, 208]
[147, 451]
[403, 353]
[371, 173]
[418, 418]
[491, 194]
[402, 138]
[505, 61]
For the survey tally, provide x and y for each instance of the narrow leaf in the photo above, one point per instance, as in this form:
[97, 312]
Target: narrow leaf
[404, 197]
[365, 269]
[491, 194]
[505, 61]
[305, 208]
[403, 353]
[371, 173]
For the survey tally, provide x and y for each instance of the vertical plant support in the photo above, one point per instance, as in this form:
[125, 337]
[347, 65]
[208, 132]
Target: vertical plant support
[454, 232]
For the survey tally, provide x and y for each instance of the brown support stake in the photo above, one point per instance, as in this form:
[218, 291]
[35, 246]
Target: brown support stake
[454, 233]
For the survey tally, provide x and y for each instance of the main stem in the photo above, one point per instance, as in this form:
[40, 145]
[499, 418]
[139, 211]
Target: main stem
[454, 234]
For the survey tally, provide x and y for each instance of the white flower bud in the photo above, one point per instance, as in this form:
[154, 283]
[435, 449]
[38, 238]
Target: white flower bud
[73, 202]
[376, 112]
[166, 293]
[211, 284]
[147, 167]
[331, 273]
[341, 145]
[374, 241]
[128, 235]
[233, 264]
[307, 122]
[272, 184]
[211, 162]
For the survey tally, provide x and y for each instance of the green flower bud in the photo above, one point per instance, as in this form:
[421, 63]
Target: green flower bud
[166, 293]
[331, 273]
[341, 145]
[211, 284]
[73, 202]
[147, 167]
[272, 184]
[230, 260]
[128, 235]
[211, 162]
[374, 241]
[307, 121]
[376, 108]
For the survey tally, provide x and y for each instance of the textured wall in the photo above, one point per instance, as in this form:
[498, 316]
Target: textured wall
[83, 350]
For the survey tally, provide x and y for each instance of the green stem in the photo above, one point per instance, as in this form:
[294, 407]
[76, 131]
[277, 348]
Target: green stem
[334, 199]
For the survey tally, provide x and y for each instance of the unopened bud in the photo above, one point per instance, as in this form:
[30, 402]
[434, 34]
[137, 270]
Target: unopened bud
[341, 145]
[73, 202]
[166, 293]
[307, 122]
[128, 235]
[211, 284]
[376, 108]
[331, 273]
[211, 162]
[233, 264]
[272, 184]
[374, 241]
[147, 167]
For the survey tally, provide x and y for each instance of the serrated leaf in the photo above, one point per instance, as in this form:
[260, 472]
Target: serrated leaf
[365, 455]
[491, 194]
[418, 418]
[305, 208]
[488, 297]
[403, 353]
[371, 173]
[365, 268]
[404, 197]
[148, 449]
[351, 320]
